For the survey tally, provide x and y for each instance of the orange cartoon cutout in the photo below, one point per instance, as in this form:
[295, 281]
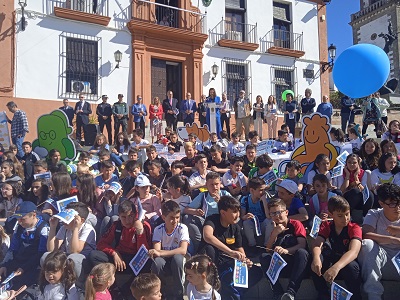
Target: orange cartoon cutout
[315, 135]
[202, 133]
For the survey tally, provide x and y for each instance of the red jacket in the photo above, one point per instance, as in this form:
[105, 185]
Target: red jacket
[129, 243]
[153, 114]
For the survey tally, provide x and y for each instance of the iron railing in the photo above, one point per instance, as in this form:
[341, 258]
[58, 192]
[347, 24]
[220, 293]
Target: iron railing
[170, 16]
[99, 7]
[371, 8]
[234, 31]
[282, 39]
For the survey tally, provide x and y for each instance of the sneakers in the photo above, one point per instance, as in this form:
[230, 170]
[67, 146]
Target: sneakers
[287, 296]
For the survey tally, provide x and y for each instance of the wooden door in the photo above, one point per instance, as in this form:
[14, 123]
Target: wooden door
[158, 78]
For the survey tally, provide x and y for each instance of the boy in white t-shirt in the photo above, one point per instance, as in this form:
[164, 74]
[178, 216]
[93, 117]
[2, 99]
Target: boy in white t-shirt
[170, 242]
[234, 180]
[77, 239]
[140, 144]
[381, 241]
[235, 146]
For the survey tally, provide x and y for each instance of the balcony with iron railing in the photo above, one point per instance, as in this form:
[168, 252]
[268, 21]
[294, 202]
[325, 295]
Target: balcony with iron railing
[371, 8]
[282, 42]
[89, 11]
[178, 22]
[234, 35]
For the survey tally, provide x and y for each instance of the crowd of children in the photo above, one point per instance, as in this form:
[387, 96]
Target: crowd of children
[198, 215]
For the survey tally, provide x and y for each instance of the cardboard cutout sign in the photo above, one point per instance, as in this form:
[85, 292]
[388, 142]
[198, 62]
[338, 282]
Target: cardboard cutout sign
[316, 140]
[202, 133]
[54, 133]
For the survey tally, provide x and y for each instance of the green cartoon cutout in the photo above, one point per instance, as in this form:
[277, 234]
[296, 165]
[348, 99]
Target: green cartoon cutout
[54, 133]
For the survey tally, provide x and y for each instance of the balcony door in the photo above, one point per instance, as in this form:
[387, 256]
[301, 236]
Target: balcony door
[167, 15]
[281, 25]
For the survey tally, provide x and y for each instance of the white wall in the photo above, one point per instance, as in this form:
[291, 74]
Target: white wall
[38, 51]
[304, 19]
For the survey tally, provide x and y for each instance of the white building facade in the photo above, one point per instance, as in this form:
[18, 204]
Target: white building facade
[68, 46]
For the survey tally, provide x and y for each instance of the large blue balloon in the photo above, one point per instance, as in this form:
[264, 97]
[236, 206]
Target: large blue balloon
[361, 70]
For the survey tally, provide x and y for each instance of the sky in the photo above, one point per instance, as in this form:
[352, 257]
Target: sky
[338, 18]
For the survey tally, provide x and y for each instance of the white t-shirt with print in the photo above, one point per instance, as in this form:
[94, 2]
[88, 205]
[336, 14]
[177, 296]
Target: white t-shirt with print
[191, 290]
[86, 233]
[173, 240]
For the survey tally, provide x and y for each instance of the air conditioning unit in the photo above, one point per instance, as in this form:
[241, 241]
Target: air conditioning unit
[80, 86]
[234, 35]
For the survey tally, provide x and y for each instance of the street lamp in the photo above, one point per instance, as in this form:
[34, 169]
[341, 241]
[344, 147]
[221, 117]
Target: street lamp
[22, 4]
[118, 58]
[214, 70]
[332, 55]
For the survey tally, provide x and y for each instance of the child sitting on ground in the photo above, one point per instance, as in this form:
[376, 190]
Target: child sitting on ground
[345, 240]
[152, 155]
[218, 163]
[319, 202]
[234, 180]
[170, 242]
[203, 278]
[146, 287]
[121, 243]
[354, 139]
[254, 206]
[282, 144]
[288, 239]
[174, 145]
[235, 146]
[222, 235]
[150, 203]
[188, 160]
[204, 205]
[287, 191]
[292, 172]
[77, 239]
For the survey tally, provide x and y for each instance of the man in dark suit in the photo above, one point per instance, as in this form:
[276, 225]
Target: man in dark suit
[188, 107]
[170, 109]
[82, 111]
[104, 113]
[69, 111]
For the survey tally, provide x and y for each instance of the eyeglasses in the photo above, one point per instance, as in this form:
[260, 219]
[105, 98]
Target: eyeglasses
[276, 213]
[393, 204]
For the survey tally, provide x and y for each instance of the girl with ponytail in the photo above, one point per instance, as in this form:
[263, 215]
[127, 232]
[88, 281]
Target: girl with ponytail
[99, 280]
[203, 278]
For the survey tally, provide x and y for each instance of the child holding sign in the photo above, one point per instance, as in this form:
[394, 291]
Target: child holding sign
[288, 239]
[340, 258]
[254, 206]
[222, 242]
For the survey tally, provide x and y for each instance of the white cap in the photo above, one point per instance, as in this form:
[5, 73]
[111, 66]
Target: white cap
[142, 180]
[289, 185]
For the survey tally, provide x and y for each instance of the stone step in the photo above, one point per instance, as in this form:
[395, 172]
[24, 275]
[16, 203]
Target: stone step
[307, 291]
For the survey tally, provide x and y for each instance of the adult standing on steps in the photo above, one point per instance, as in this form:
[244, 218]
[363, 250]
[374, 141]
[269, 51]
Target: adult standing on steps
[347, 111]
[120, 112]
[188, 108]
[242, 108]
[82, 111]
[226, 114]
[170, 108]
[104, 113]
[19, 126]
[307, 104]
[139, 113]
[68, 110]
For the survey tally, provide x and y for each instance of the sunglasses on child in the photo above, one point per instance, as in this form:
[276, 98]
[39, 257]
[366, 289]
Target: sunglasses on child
[276, 213]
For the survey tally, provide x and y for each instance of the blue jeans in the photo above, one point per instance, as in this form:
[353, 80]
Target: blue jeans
[346, 118]
[17, 141]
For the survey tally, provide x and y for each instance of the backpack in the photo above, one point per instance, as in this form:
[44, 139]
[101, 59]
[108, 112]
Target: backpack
[246, 203]
[25, 250]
